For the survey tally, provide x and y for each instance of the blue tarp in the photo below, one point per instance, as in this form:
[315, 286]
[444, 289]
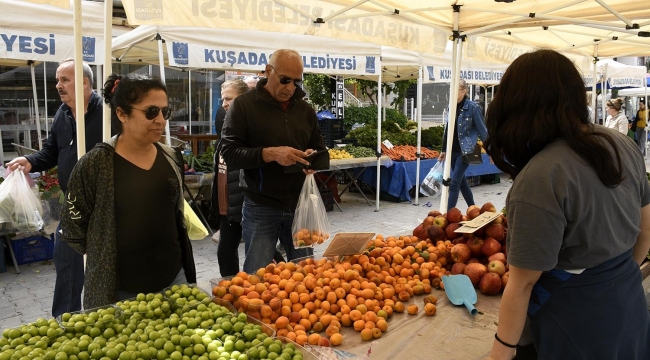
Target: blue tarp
[398, 179]
[325, 114]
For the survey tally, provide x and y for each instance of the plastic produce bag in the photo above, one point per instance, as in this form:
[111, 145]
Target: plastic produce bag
[19, 205]
[195, 228]
[310, 225]
[432, 184]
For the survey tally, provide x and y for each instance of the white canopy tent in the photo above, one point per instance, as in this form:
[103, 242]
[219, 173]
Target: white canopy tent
[50, 38]
[582, 29]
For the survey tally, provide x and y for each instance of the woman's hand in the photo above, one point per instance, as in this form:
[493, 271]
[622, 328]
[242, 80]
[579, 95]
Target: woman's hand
[441, 157]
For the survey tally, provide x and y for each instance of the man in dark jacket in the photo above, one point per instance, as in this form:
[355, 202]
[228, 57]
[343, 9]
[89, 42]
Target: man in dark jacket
[61, 150]
[265, 131]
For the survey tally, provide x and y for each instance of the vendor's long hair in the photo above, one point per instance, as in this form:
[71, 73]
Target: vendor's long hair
[541, 98]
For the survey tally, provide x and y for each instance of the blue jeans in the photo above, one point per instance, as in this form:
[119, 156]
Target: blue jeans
[262, 226]
[459, 182]
[69, 266]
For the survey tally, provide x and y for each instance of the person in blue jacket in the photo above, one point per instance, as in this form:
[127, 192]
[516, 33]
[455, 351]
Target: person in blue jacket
[60, 150]
[469, 127]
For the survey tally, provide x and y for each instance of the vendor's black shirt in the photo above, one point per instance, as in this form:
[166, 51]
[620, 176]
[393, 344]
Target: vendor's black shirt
[149, 254]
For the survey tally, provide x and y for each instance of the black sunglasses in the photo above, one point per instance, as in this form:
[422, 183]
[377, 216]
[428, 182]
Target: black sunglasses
[152, 112]
[285, 80]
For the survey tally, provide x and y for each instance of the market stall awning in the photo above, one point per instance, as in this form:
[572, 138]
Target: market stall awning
[37, 32]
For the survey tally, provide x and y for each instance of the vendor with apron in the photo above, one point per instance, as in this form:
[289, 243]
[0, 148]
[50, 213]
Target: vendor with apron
[578, 220]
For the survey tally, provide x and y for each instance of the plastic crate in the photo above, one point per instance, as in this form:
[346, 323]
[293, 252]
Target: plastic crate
[328, 198]
[490, 179]
[331, 129]
[473, 180]
[343, 178]
[32, 249]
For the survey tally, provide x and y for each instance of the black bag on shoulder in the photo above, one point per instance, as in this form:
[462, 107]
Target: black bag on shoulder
[475, 157]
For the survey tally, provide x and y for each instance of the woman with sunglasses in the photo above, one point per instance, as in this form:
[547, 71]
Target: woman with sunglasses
[616, 118]
[124, 206]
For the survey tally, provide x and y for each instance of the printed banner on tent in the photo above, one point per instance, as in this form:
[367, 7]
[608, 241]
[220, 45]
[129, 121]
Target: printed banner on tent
[492, 50]
[27, 45]
[63, 4]
[441, 74]
[625, 82]
[200, 56]
[277, 16]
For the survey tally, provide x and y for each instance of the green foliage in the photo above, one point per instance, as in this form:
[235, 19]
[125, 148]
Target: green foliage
[399, 88]
[367, 135]
[368, 88]
[432, 137]
[368, 114]
[318, 87]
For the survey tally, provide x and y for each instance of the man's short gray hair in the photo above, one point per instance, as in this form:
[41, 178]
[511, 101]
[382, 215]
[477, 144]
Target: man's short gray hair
[87, 71]
[238, 84]
[281, 53]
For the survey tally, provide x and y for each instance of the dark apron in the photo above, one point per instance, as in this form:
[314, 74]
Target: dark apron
[599, 314]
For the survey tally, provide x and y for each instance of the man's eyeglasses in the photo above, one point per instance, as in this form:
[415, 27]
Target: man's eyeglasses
[152, 112]
[285, 80]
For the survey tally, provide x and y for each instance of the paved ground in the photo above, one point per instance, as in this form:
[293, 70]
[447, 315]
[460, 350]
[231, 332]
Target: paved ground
[26, 296]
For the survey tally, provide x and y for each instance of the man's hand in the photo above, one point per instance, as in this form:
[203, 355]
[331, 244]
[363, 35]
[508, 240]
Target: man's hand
[284, 155]
[20, 163]
[441, 157]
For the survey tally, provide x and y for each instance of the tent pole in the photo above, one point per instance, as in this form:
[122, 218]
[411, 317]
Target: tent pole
[451, 119]
[161, 63]
[603, 93]
[47, 127]
[189, 101]
[419, 120]
[78, 79]
[211, 118]
[379, 103]
[108, 63]
[593, 86]
[36, 113]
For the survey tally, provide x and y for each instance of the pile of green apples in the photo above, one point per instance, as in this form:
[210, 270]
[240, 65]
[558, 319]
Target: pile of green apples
[151, 326]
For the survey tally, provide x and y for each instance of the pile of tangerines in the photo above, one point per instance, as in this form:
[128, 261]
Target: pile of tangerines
[302, 300]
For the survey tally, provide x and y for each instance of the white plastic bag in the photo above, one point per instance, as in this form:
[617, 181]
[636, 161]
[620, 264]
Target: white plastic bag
[432, 184]
[310, 225]
[19, 205]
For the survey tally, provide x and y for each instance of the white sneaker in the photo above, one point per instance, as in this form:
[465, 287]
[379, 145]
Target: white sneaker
[215, 237]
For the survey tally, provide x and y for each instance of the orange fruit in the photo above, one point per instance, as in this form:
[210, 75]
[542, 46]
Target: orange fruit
[359, 325]
[303, 339]
[336, 339]
[281, 322]
[366, 334]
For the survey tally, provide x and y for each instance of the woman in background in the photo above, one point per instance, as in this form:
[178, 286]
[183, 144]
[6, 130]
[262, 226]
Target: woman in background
[616, 118]
[227, 197]
[469, 127]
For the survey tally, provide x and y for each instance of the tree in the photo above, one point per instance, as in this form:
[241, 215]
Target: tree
[318, 87]
[369, 89]
[400, 88]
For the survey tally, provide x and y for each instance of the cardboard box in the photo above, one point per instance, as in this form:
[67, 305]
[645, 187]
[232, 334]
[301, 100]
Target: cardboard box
[348, 244]
[477, 223]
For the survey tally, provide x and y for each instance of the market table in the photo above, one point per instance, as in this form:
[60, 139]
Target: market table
[398, 179]
[195, 139]
[345, 166]
[451, 334]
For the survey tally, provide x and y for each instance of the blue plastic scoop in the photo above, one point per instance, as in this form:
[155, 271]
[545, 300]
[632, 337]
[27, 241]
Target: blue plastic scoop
[460, 291]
